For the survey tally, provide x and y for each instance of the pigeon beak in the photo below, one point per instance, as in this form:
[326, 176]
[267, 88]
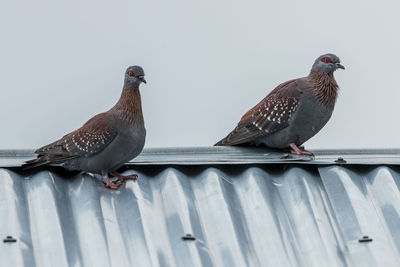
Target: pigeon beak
[141, 78]
[339, 66]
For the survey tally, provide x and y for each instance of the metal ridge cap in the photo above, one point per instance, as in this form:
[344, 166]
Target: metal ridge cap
[254, 155]
[243, 149]
[234, 155]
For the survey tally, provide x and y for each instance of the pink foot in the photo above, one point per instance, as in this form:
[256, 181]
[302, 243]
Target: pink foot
[122, 178]
[298, 151]
[109, 184]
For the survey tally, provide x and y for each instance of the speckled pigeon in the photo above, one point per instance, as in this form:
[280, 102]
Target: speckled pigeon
[106, 141]
[293, 112]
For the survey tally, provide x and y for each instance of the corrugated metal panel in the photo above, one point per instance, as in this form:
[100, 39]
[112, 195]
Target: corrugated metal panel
[240, 215]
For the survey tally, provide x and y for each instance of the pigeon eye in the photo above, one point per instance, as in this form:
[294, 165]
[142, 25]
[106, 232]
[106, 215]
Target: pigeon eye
[131, 73]
[326, 60]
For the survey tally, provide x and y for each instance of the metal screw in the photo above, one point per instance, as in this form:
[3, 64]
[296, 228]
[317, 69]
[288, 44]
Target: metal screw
[340, 160]
[365, 239]
[188, 237]
[9, 239]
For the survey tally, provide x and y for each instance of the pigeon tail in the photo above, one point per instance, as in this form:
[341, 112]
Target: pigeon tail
[43, 160]
[225, 142]
[34, 163]
[220, 143]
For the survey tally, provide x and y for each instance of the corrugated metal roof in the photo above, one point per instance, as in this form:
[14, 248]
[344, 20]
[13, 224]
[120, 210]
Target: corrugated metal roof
[288, 214]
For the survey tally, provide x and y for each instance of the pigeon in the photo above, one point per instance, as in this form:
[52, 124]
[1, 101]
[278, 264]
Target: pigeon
[106, 141]
[292, 113]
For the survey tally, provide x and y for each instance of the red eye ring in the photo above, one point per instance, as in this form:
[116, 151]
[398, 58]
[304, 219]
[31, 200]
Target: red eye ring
[131, 73]
[326, 60]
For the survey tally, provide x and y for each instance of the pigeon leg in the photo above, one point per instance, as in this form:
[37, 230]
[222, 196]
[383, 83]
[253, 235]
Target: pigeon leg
[122, 178]
[109, 184]
[298, 151]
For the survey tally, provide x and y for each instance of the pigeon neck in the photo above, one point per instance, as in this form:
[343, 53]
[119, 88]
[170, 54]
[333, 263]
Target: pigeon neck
[325, 87]
[129, 105]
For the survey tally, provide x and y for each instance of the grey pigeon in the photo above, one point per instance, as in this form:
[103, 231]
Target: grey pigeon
[106, 141]
[293, 112]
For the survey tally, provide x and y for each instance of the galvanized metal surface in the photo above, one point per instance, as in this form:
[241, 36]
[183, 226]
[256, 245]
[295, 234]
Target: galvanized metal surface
[239, 215]
[234, 155]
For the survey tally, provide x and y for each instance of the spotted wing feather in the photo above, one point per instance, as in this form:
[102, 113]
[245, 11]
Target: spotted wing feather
[88, 140]
[272, 114]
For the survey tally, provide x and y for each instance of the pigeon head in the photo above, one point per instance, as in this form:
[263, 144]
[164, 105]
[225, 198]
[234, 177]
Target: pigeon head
[327, 63]
[134, 76]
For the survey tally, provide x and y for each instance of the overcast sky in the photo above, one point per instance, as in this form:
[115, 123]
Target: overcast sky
[206, 63]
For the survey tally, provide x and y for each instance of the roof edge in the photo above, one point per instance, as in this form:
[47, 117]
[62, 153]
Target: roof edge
[234, 155]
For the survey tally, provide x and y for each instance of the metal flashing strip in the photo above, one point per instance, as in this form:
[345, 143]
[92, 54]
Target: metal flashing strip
[236, 155]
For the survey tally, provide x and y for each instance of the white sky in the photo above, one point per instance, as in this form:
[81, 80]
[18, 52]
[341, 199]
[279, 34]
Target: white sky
[206, 63]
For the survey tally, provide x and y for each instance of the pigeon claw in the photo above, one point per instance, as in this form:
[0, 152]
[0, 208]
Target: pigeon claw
[109, 184]
[121, 178]
[297, 151]
[113, 186]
